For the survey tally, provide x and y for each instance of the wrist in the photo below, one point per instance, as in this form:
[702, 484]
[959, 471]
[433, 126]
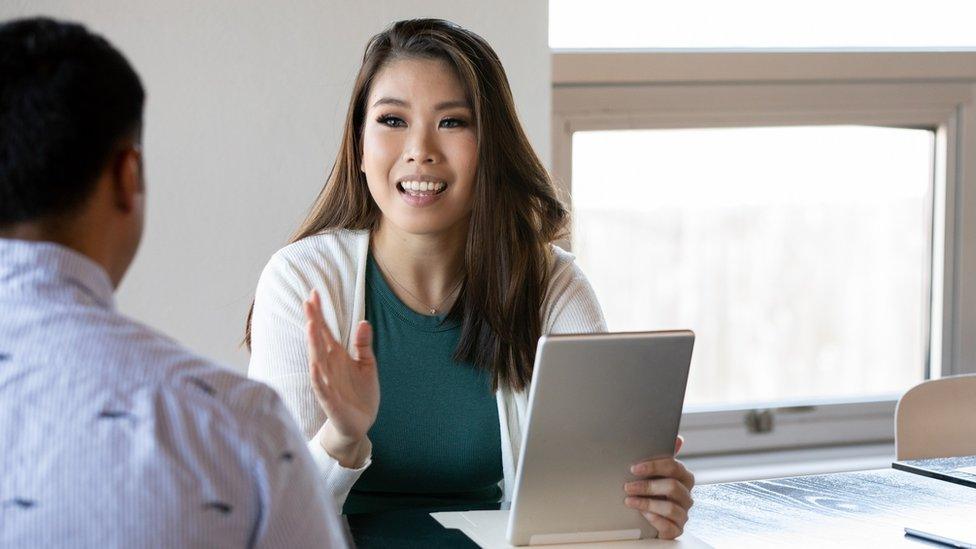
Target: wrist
[351, 453]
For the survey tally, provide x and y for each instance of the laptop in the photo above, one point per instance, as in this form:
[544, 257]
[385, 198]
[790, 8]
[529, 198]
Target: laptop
[598, 403]
[958, 470]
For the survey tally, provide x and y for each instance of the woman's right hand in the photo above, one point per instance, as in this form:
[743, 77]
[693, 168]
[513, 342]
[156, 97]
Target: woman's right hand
[347, 388]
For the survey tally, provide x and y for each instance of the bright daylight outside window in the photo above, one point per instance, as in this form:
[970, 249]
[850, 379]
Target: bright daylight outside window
[801, 256]
[754, 24]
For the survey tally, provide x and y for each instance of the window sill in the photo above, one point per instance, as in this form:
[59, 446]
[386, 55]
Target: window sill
[787, 463]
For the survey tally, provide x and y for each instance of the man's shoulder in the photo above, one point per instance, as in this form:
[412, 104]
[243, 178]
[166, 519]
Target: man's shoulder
[244, 415]
[149, 428]
[216, 390]
[150, 362]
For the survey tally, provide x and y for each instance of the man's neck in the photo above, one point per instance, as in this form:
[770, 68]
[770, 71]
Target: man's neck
[58, 231]
[67, 233]
[25, 231]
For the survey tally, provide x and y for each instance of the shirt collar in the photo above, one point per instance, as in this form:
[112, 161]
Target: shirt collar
[25, 262]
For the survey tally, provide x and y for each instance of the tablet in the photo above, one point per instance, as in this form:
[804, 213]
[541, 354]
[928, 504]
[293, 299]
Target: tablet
[598, 404]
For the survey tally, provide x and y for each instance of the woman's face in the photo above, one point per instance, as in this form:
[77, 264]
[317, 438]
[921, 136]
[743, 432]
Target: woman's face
[420, 148]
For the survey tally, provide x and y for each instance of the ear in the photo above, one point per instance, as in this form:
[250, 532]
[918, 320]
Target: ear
[127, 179]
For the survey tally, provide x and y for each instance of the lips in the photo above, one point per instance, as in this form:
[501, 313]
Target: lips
[421, 190]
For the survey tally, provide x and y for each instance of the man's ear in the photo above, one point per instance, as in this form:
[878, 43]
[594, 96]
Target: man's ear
[127, 178]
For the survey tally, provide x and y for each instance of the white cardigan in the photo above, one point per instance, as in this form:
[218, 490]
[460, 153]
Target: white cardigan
[334, 263]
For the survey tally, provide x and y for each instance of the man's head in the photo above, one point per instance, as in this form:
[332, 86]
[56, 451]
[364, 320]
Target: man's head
[70, 124]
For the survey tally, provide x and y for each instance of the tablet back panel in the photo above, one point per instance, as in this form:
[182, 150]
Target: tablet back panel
[598, 403]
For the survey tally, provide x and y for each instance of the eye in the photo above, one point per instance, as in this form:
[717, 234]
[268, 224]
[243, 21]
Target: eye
[451, 123]
[391, 121]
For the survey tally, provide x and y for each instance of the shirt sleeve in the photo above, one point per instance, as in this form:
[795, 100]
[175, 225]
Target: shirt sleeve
[295, 510]
[279, 358]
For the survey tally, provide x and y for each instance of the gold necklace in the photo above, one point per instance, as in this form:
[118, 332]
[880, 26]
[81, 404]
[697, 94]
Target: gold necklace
[433, 308]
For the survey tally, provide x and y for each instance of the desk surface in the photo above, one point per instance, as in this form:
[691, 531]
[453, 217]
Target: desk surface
[869, 508]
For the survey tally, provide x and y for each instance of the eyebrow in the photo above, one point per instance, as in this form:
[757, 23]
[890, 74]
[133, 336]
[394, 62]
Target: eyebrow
[444, 105]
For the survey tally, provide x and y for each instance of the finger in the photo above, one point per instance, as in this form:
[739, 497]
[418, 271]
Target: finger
[661, 487]
[314, 316]
[664, 467]
[316, 357]
[665, 528]
[678, 443]
[314, 313]
[364, 343]
[667, 509]
[330, 340]
[310, 309]
[331, 346]
[313, 335]
[309, 314]
[321, 386]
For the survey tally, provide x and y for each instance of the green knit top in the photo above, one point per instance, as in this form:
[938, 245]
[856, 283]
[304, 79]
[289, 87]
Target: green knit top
[436, 440]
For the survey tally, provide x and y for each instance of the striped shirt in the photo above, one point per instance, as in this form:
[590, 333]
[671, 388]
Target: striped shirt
[112, 435]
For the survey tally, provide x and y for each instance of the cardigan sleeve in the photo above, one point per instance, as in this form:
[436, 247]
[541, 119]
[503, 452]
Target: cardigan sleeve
[279, 358]
[571, 303]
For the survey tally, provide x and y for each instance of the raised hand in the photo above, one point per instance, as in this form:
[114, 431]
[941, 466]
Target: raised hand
[346, 387]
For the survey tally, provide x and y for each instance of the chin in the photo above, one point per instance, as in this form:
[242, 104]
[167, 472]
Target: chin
[424, 224]
[421, 228]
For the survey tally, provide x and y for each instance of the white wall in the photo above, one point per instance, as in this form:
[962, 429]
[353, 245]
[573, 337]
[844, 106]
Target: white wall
[246, 101]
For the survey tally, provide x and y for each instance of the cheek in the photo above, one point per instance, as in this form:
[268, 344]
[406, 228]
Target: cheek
[464, 160]
[380, 151]
[465, 155]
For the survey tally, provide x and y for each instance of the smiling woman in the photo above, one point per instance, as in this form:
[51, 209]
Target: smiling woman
[420, 155]
[430, 274]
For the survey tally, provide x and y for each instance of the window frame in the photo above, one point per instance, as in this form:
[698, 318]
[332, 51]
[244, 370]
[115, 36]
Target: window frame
[636, 89]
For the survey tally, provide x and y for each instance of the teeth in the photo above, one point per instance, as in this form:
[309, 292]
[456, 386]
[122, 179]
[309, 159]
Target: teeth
[423, 186]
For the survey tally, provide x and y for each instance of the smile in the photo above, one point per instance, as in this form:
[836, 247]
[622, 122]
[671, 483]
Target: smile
[421, 188]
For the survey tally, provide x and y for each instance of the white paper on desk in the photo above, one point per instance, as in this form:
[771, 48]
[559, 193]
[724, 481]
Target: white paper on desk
[488, 529]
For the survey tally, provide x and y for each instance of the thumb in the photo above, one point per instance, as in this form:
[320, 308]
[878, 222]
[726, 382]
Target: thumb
[364, 343]
[678, 443]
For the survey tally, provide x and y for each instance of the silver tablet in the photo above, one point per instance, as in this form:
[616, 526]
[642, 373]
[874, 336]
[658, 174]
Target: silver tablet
[598, 403]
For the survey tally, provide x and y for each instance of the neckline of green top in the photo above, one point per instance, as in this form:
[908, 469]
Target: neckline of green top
[428, 323]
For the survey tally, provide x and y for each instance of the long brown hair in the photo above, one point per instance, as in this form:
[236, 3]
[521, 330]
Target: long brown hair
[516, 212]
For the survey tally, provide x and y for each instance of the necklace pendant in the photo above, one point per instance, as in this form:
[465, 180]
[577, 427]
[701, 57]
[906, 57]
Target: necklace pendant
[433, 311]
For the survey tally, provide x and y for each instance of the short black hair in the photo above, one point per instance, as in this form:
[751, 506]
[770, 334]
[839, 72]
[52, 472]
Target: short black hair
[67, 99]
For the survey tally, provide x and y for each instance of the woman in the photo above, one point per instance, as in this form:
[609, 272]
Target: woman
[428, 255]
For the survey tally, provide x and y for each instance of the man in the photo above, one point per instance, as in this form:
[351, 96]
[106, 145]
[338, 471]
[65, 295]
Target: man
[110, 434]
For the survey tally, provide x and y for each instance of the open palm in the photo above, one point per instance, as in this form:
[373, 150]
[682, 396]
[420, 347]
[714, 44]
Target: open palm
[346, 387]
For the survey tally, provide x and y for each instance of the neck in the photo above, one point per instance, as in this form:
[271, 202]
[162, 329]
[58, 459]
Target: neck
[54, 230]
[428, 266]
[70, 233]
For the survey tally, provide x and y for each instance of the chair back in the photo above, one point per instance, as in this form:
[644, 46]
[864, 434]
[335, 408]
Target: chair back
[937, 418]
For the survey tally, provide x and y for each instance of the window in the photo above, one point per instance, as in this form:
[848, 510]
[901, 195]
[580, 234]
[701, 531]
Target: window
[756, 24]
[800, 256]
[804, 212]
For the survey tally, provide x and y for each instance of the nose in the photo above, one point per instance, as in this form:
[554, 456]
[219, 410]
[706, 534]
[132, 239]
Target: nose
[421, 148]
